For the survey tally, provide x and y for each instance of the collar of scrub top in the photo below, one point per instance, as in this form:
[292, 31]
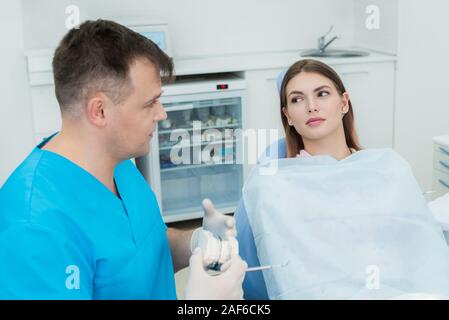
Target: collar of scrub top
[44, 142]
[46, 139]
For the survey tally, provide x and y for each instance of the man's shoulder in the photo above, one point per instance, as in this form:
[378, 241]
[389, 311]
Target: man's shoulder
[21, 180]
[24, 186]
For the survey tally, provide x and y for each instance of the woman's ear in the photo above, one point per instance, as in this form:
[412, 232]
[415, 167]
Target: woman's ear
[345, 100]
[285, 111]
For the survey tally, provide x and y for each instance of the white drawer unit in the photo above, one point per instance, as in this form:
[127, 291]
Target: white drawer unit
[441, 165]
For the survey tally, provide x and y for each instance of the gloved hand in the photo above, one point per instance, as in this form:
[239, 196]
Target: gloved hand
[215, 251]
[220, 225]
[224, 286]
[216, 238]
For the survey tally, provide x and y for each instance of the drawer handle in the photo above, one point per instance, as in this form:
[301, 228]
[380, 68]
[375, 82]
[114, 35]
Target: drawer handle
[444, 150]
[444, 164]
[443, 183]
[180, 107]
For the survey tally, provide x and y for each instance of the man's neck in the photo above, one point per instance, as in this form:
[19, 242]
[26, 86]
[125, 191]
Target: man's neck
[86, 153]
[333, 145]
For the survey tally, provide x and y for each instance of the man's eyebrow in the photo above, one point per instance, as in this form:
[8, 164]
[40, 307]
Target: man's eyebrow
[317, 89]
[154, 98]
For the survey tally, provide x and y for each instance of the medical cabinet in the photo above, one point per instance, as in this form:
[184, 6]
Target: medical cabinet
[194, 151]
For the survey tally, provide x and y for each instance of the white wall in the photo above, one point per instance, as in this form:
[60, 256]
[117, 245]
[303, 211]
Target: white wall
[200, 27]
[16, 132]
[422, 106]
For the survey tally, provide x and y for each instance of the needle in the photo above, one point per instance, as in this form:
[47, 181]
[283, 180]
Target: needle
[267, 267]
[217, 272]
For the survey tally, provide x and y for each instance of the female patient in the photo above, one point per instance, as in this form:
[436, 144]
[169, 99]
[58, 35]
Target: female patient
[318, 119]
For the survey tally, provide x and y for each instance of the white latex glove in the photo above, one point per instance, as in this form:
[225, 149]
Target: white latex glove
[215, 251]
[216, 238]
[220, 225]
[225, 286]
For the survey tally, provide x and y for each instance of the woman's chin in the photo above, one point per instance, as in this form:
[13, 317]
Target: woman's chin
[315, 135]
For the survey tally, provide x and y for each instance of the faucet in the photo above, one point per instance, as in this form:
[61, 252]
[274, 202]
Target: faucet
[322, 45]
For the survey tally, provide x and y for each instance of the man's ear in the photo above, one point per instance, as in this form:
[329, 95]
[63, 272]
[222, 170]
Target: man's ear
[96, 109]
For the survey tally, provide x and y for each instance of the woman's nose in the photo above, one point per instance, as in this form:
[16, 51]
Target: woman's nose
[312, 106]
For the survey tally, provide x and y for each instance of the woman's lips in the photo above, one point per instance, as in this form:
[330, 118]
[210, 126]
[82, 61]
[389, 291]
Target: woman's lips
[315, 122]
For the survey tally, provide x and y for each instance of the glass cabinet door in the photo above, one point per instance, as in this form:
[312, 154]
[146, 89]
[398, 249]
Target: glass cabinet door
[197, 155]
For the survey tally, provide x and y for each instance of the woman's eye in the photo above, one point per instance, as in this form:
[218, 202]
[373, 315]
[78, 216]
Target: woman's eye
[323, 93]
[296, 99]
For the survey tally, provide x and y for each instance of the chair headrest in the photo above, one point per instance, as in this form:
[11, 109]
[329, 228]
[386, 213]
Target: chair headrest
[279, 79]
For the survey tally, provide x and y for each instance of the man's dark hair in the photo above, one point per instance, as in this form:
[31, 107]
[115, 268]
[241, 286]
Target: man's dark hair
[97, 57]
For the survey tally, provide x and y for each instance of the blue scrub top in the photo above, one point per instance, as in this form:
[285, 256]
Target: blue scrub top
[65, 235]
[254, 287]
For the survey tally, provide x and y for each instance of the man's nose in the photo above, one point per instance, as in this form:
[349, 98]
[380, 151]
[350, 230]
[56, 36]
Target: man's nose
[161, 114]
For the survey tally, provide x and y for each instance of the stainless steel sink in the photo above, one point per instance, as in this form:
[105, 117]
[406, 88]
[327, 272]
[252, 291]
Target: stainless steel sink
[334, 53]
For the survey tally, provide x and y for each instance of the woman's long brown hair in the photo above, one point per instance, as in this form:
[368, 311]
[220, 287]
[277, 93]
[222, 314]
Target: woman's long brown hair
[293, 138]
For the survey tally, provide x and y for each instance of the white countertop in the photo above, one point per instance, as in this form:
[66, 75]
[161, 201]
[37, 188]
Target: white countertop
[40, 69]
[261, 61]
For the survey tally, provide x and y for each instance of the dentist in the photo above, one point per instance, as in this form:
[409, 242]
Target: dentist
[77, 219]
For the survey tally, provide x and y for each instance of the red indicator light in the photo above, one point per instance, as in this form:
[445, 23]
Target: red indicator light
[222, 86]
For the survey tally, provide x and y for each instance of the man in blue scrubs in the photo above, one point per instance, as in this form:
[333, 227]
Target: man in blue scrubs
[77, 219]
